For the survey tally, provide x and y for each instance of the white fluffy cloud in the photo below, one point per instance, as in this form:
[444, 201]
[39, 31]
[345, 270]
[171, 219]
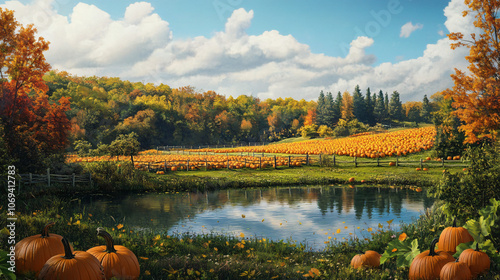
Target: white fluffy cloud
[140, 47]
[409, 28]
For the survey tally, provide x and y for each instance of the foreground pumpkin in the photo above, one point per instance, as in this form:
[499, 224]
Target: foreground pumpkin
[32, 252]
[427, 265]
[117, 261]
[477, 261]
[368, 259]
[453, 236]
[78, 265]
[455, 271]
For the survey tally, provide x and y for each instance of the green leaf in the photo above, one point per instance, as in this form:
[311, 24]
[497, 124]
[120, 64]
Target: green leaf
[485, 227]
[405, 252]
[474, 228]
[464, 246]
[4, 268]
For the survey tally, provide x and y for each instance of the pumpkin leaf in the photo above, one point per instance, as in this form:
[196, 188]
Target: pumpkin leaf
[464, 246]
[405, 251]
[474, 228]
[4, 267]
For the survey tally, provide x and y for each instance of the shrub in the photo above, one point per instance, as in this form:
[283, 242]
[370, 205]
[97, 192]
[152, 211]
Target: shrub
[468, 191]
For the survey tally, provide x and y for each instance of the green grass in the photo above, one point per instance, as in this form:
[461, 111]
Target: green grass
[212, 256]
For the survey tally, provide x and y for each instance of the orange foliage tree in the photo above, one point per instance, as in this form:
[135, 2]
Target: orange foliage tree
[476, 95]
[34, 129]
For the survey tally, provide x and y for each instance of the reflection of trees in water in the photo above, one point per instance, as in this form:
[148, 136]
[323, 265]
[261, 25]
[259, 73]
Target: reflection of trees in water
[367, 200]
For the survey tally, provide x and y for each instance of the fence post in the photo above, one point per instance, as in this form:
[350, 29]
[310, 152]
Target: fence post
[355, 161]
[275, 166]
[333, 159]
[149, 166]
[260, 163]
[378, 161]
[188, 165]
[228, 164]
[307, 159]
[31, 178]
[48, 177]
[73, 180]
[289, 158]
[320, 163]
[397, 161]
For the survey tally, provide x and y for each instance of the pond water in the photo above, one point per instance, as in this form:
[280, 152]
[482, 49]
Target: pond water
[308, 215]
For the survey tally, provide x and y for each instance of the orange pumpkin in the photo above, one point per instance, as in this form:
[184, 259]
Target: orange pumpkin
[77, 265]
[117, 261]
[455, 271]
[352, 180]
[427, 265]
[477, 261]
[368, 259]
[453, 236]
[32, 252]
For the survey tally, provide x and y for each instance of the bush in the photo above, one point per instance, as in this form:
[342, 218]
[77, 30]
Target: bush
[465, 193]
[309, 131]
[112, 176]
[324, 131]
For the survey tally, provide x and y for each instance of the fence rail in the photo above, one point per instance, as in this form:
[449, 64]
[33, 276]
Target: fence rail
[51, 179]
[260, 161]
[175, 148]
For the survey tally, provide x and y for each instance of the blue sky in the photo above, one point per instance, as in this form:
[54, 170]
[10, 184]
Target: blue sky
[269, 49]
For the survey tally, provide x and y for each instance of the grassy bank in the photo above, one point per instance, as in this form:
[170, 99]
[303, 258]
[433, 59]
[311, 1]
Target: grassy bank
[113, 178]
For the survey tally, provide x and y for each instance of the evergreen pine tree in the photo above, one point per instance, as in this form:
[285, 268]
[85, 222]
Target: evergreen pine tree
[337, 107]
[386, 104]
[359, 105]
[379, 110]
[369, 107]
[329, 110]
[425, 113]
[320, 110]
[396, 107]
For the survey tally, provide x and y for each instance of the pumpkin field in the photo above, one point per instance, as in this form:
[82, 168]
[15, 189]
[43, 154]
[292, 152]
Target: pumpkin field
[369, 146]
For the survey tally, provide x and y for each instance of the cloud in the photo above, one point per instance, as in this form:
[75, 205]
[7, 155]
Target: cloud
[141, 47]
[409, 28]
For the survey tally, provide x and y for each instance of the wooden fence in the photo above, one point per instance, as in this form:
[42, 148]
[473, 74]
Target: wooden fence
[51, 179]
[261, 161]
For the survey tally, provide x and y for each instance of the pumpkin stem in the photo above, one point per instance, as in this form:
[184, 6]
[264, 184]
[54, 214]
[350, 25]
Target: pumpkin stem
[454, 221]
[477, 247]
[110, 247]
[433, 245]
[45, 231]
[67, 249]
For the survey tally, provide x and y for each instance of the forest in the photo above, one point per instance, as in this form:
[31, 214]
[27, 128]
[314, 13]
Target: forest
[101, 108]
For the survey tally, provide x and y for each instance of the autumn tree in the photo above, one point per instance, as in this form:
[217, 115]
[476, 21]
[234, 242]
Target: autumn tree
[34, 128]
[347, 106]
[476, 93]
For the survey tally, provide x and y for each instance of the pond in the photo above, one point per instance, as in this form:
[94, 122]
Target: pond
[311, 215]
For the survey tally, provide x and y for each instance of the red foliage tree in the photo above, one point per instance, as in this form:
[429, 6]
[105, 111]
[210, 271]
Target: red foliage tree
[34, 128]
